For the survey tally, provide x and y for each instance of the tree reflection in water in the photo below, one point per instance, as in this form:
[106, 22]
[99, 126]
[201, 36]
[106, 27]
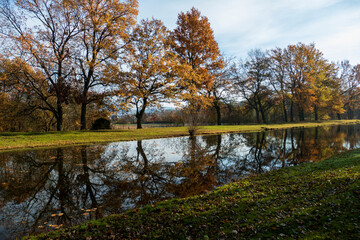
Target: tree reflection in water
[47, 189]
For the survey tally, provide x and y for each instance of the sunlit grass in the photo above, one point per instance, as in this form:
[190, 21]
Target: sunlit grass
[311, 201]
[9, 141]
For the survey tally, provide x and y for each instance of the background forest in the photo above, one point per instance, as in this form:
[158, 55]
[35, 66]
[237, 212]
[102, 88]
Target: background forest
[66, 63]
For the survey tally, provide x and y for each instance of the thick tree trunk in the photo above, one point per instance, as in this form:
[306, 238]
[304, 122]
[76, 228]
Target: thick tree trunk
[84, 103]
[262, 114]
[350, 113]
[263, 117]
[83, 116]
[316, 113]
[218, 113]
[292, 112]
[285, 111]
[301, 114]
[59, 117]
[139, 120]
[140, 114]
[257, 115]
[339, 116]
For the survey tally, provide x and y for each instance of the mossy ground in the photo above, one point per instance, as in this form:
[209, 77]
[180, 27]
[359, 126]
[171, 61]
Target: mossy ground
[310, 201]
[11, 141]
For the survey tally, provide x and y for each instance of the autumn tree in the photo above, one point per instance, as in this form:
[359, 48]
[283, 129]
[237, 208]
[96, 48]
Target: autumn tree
[301, 93]
[279, 79]
[222, 85]
[104, 31]
[12, 103]
[46, 45]
[20, 108]
[147, 76]
[349, 77]
[195, 44]
[312, 81]
[253, 83]
[326, 88]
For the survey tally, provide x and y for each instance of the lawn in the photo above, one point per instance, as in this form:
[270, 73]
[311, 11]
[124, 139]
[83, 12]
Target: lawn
[310, 201]
[11, 141]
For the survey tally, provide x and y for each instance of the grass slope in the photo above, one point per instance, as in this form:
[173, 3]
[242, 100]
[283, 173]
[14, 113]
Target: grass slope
[310, 201]
[10, 141]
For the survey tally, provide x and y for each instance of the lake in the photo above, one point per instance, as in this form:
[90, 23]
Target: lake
[47, 189]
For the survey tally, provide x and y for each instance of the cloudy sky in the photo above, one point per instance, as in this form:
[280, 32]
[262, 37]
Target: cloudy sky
[242, 25]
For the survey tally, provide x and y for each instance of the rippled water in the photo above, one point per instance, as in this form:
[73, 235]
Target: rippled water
[42, 190]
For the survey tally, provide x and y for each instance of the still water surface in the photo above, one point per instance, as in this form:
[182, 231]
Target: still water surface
[42, 190]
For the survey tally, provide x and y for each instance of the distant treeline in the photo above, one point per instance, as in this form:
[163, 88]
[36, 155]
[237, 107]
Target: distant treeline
[65, 63]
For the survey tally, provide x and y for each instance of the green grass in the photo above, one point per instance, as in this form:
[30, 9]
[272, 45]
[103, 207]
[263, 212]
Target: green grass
[11, 141]
[310, 201]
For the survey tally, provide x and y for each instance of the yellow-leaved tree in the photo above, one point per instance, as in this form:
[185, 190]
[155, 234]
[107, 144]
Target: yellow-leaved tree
[150, 66]
[194, 42]
[313, 82]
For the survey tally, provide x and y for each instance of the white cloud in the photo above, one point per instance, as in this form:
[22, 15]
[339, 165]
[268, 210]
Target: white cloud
[305, 5]
[342, 45]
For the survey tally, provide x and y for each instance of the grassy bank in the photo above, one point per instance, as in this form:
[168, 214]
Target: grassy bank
[310, 201]
[10, 141]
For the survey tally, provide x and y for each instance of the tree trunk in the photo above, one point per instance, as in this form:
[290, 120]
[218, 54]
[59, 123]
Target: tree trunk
[218, 112]
[292, 111]
[350, 113]
[301, 114]
[292, 140]
[83, 116]
[339, 116]
[257, 115]
[139, 117]
[140, 114]
[316, 113]
[262, 113]
[59, 117]
[285, 111]
[263, 117]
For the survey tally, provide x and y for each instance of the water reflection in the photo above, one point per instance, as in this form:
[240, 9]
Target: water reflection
[46, 189]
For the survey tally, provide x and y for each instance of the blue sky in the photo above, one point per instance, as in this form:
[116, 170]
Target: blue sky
[242, 25]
